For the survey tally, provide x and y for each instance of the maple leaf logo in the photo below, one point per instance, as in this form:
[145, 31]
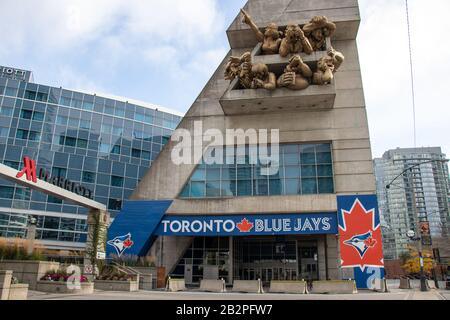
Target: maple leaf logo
[360, 237]
[245, 225]
[128, 243]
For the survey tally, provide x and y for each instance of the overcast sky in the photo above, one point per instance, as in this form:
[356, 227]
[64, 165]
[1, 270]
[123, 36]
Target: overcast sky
[164, 52]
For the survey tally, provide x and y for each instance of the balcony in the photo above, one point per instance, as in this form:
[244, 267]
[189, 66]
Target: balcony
[238, 101]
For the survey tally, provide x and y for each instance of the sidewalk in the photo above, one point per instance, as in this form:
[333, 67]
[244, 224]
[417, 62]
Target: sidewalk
[395, 294]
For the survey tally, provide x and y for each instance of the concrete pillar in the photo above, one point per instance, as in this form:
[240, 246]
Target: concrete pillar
[333, 256]
[231, 261]
[322, 258]
[98, 222]
[5, 284]
[31, 236]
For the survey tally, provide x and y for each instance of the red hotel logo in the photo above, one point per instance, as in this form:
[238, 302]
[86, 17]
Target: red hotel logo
[29, 170]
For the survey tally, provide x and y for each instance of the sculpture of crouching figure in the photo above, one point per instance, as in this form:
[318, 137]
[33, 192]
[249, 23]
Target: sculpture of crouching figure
[262, 78]
[271, 38]
[297, 75]
[327, 66]
[318, 30]
[240, 67]
[295, 41]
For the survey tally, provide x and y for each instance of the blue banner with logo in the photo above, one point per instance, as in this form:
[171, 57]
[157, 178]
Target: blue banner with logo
[131, 232]
[248, 225]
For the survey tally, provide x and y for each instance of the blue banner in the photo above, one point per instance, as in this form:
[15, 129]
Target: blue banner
[248, 225]
[131, 233]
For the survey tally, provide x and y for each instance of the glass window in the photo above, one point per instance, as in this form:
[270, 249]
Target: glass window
[115, 149]
[12, 164]
[51, 222]
[22, 134]
[4, 132]
[70, 142]
[82, 143]
[6, 111]
[31, 95]
[88, 105]
[85, 124]
[88, 177]
[38, 116]
[59, 172]
[65, 101]
[26, 114]
[6, 192]
[198, 189]
[309, 186]
[116, 181]
[304, 169]
[114, 204]
[136, 153]
[62, 120]
[105, 148]
[326, 185]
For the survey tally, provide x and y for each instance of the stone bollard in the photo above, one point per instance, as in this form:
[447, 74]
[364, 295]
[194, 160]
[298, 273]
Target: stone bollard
[405, 283]
[5, 284]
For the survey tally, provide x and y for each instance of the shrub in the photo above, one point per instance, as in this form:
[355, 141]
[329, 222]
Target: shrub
[16, 250]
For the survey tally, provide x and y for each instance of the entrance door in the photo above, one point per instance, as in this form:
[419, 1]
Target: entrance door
[308, 264]
[188, 273]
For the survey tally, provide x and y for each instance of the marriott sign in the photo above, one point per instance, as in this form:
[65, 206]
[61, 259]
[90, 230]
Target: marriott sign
[29, 170]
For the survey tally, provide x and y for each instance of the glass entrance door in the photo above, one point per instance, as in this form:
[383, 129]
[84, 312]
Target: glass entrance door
[308, 263]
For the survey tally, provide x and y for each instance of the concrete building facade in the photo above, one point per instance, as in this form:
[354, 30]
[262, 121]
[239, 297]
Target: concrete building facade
[325, 152]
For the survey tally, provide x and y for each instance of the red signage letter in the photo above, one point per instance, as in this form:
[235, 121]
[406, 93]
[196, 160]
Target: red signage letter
[29, 169]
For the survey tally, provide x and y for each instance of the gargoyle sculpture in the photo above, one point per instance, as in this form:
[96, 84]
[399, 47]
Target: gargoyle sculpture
[296, 76]
[263, 78]
[295, 41]
[240, 67]
[318, 30]
[271, 38]
[327, 66]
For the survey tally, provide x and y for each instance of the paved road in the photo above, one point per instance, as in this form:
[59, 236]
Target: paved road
[162, 295]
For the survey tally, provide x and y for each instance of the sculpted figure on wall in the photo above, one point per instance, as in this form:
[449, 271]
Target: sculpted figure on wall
[327, 66]
[234, 65]
[251, 76]
[271, 38]
[297, 75]
[295, 41]
[240, 67]
[263, 78]
[318, 30]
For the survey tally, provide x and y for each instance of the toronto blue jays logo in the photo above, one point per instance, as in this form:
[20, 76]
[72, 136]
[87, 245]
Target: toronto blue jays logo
[362, 243]
[121, 243]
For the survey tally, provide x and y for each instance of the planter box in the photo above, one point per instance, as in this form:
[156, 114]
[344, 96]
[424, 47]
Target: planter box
[18, 292]
[29, 272]
[107, 285]
[61, 287]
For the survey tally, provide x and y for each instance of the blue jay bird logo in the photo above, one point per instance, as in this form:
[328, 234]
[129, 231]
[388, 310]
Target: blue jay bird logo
[362, 243]
[121, 243]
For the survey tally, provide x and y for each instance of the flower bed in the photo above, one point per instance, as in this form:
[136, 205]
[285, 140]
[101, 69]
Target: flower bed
[62, 282]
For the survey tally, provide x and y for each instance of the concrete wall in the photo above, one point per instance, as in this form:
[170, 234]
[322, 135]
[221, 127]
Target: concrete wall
[345, 126]
[29, 272]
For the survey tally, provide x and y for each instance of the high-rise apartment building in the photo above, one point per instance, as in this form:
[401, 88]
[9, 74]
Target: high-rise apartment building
[415, 173]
